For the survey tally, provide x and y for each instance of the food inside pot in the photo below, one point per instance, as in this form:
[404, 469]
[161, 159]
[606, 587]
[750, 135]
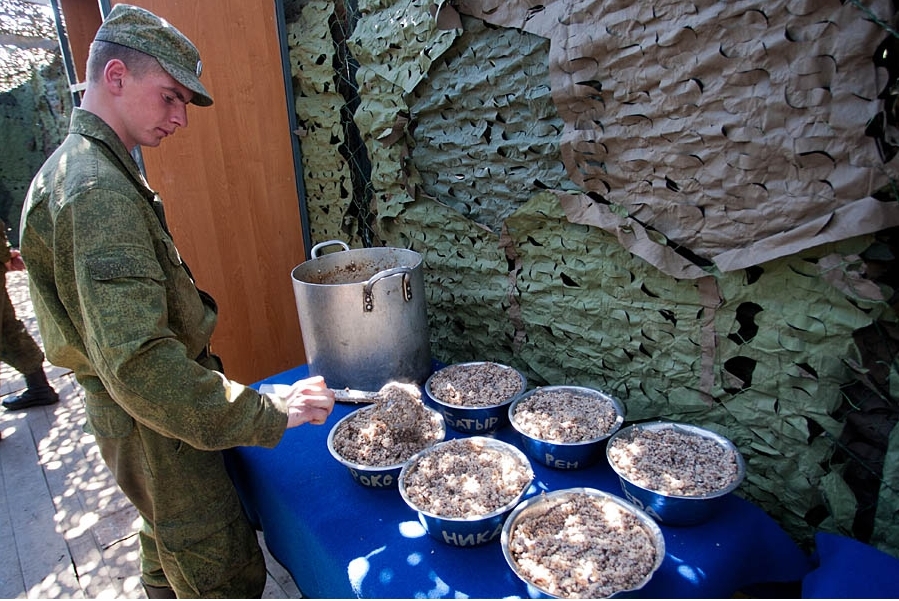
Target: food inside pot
[352, 272]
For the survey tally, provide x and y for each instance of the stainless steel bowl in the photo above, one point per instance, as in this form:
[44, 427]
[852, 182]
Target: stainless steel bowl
[539, 505]
[671, 509]
[466, 531]
[566, 455]
[383, 476]
[474, 420]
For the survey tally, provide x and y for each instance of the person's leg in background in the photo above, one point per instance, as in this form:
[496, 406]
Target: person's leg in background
[19, 350]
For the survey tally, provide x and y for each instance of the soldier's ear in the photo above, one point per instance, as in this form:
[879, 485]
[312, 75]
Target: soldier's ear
[114, 76]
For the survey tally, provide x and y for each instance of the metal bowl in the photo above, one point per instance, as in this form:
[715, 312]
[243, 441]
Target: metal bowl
[566, 455]
[539, 506]
[470, 419]
[466, 531]
[378, 476]
[675, 509]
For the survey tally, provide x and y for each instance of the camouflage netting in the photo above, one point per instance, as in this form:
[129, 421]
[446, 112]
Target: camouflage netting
[34, 117]
[736, 130]
[318, 105]
[688, 204]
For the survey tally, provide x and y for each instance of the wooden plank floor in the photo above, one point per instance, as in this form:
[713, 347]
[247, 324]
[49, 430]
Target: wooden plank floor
[66, 530]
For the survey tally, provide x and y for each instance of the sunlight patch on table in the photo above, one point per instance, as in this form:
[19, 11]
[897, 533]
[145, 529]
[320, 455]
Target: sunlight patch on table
[412, 529]
[358, 569]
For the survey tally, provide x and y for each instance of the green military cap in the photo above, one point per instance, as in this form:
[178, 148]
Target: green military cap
[141, 30]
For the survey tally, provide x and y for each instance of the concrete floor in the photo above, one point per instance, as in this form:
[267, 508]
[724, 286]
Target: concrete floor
[66, 531]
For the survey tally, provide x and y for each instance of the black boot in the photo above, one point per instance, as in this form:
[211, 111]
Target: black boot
[158, 592]
[39, 392]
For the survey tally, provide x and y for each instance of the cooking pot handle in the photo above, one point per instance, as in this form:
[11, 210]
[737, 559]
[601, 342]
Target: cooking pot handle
[368, 302]
[314, 252]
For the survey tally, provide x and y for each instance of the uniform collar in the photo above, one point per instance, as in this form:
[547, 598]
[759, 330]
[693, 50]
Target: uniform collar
[88, 124]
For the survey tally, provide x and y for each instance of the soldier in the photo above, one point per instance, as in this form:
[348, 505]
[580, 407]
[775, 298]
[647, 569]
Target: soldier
[116, 304]
[17, 348]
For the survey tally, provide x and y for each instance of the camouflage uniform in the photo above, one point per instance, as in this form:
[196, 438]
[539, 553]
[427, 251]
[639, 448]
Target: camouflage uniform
[116, 304]
[17, 348]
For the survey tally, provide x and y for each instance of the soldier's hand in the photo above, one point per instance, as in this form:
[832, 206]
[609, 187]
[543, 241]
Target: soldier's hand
[15, 262]
[309, 401]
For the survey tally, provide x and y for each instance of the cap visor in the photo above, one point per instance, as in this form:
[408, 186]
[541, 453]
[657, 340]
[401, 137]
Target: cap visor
[190, 81]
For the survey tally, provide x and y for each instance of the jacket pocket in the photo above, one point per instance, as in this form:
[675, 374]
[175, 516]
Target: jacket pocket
[125, 262]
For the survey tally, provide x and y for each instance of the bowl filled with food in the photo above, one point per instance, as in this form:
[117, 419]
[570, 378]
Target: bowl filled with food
[565, 427]
[678, 473]
[463, 489]
[474, 397]
[582, 543]
[374, 442]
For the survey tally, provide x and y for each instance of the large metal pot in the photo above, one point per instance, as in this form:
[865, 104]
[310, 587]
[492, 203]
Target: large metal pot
[363, 316]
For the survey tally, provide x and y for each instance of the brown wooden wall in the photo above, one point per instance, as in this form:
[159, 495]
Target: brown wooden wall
[229, 183]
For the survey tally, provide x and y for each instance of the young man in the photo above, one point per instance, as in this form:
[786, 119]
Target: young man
[17, 348]
[116, 304]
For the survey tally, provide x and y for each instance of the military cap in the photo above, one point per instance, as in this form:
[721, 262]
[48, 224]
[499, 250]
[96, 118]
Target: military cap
[141, 30]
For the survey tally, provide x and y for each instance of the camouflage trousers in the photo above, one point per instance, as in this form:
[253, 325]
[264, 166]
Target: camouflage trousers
[186, 570]
[17, 348]
[195, 537]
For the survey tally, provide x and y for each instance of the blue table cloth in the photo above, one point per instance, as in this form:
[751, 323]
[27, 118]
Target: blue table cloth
[848, 569]
[339, 539]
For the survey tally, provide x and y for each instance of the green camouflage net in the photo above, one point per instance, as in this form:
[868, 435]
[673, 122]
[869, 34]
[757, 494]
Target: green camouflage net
[33, 120]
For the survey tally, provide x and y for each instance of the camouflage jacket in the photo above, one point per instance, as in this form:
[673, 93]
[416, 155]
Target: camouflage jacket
[116, 304]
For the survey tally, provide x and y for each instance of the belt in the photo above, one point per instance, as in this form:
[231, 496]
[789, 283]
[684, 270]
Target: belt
[210, 361]
[204, 354]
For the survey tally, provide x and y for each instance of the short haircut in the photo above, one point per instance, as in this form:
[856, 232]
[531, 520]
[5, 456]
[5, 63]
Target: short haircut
[101, 53]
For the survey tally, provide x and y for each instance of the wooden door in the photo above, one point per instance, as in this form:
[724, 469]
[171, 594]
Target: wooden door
[229, 183]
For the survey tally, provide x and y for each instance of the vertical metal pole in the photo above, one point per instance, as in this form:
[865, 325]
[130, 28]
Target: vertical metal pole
[66, 51]
[292, 121]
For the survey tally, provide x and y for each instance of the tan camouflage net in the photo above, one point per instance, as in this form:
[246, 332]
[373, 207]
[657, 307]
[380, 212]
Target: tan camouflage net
[734, 129]
[326, 175]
